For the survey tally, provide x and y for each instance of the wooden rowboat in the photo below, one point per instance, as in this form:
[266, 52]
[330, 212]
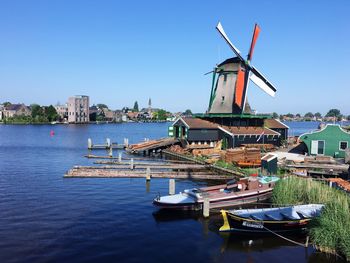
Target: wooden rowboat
[266, 220]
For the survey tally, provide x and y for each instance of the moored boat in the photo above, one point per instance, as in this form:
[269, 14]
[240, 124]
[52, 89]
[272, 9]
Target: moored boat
[246, 190]
[266, 220]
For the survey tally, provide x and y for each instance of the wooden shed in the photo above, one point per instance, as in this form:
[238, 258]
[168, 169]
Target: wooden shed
[331, 140]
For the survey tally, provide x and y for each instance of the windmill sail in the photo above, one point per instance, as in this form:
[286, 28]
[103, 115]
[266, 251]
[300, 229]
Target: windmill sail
[262, 82]
[229, 92]
[228, 41]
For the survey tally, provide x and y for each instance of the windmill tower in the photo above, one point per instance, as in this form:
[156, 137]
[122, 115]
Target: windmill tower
[231, 80]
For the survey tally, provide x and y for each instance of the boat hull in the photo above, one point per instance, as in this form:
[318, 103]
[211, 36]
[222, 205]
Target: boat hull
[217, 203]
[235, 223]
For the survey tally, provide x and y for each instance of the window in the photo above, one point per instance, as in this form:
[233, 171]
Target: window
[343, 145]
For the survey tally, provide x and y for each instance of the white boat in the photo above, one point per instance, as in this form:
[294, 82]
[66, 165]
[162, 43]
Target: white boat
[246, 190]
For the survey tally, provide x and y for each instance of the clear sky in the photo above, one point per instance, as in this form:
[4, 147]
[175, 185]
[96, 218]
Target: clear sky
[118, 52]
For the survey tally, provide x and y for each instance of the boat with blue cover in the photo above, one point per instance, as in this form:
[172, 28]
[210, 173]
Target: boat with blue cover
[268, 220]
[244, 191]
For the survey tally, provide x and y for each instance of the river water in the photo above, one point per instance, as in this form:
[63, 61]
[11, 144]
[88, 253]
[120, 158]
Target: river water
[46, 218]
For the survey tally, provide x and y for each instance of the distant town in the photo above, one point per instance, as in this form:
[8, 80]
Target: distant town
[78, 110]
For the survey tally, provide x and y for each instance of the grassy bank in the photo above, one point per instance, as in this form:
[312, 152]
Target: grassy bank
[331, 231]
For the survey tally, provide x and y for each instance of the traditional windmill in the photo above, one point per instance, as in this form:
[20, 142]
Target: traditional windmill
[231, 79]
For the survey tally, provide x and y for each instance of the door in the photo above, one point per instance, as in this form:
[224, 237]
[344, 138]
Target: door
[317, 147]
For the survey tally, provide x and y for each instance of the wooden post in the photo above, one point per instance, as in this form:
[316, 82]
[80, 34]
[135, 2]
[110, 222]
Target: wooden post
[171, 186]
[120, 157]
[110, 152]
[307, 241]
[89, 144]
[148, 174]
[206, 207]
[108, 143]
[132, 164]
[126, 142]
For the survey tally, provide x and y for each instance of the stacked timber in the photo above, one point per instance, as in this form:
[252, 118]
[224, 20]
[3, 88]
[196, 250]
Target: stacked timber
[244, 157]
[151, 145]
[234, 155]
[177, 149]
[266, 146]
[320, 159]
[345, 185]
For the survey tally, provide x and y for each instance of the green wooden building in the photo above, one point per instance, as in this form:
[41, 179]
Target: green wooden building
[331, 140]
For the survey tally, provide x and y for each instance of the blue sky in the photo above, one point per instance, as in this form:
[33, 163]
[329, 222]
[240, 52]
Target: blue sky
[121, 51]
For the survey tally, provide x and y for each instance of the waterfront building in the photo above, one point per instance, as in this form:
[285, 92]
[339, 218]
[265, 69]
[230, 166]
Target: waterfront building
[331, 140]
[78, 109]
[239, 132]
[62, 111]
[16, 110]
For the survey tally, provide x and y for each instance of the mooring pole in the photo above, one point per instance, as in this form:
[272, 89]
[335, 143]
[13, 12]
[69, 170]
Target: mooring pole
[89, 144]
[110, 152]
[171, 186]
[120, 157]
[108, 143]
[148, 174]
[126, 142]
[132, 164]
[206, 207]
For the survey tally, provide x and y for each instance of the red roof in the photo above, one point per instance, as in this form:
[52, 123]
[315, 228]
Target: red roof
[250, 130]
[196, 123]
[275, 124]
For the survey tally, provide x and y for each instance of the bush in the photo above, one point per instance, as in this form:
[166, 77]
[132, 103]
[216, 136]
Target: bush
[331, 231]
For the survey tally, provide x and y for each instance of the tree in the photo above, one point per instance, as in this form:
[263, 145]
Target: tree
[37, 111]
[51, 113]
[318, 115]
[334, 113]
[275, 115]
[290, 115]
[136, 107]
[101, 106]
[188, 112]
[161, 115]
[6, 104]
[309, 115]
[297, 115]
[348, 118]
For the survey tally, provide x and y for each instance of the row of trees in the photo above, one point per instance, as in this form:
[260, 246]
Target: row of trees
[309, 115]
[39, 114]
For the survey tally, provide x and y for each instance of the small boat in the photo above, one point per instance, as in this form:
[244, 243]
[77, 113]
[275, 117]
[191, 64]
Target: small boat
[267, 220]
[246, 190]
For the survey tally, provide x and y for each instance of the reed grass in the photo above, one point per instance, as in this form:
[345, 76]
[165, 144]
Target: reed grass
[331, 231]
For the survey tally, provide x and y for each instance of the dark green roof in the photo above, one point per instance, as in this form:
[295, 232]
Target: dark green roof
[229, 115]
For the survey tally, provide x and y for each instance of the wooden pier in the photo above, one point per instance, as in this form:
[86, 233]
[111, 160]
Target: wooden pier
[213, 168]
[108, 145]
[152, 146]
[111, 172]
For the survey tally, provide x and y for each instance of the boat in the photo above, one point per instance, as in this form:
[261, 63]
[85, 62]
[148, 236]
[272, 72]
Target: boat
[244, 191]
[269, 220]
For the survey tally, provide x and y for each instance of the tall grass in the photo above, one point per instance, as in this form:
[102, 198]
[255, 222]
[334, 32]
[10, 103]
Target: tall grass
[331, 231]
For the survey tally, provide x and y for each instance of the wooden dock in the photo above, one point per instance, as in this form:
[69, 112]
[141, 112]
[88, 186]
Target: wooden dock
[213, 168]
[153, 145]
[111, 172]
[108, 145]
